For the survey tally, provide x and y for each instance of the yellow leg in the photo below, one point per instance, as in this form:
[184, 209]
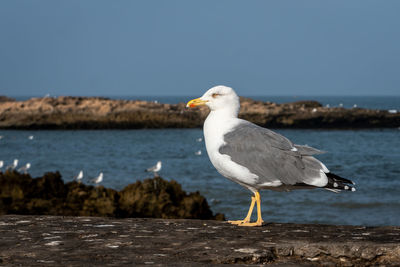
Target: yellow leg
[248, 217]
[259, 221]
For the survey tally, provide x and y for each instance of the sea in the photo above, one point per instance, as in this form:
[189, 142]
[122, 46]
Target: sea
[371, 158]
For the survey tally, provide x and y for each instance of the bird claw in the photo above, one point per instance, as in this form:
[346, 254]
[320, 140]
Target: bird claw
[238, 222]
[247, 223]
[257, 223]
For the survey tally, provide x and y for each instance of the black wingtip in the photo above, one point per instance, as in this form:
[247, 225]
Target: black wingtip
[336, 182]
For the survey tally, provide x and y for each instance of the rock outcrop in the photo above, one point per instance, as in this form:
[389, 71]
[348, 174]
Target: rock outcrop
[6, 99]
[84, 241]
[156, 198]
[102, 113]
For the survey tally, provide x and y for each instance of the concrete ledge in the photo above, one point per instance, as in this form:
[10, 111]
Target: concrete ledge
[82, 241]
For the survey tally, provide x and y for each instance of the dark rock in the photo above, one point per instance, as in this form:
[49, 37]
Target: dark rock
[6, 99]
[84, 241]
[161, 199]
[102, 113]
[158, 198]
[306, 104]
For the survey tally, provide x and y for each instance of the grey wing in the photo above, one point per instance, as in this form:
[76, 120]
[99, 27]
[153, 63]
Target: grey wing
[270, 155]
[307, 150]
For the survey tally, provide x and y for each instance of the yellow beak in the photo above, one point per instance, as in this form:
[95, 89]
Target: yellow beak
[196, 102]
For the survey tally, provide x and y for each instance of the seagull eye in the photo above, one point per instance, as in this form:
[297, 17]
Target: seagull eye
[215, 95]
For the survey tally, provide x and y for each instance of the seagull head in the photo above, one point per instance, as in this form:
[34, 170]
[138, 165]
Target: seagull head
[218, 98]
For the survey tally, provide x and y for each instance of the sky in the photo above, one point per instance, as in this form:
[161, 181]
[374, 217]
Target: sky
[148, 47]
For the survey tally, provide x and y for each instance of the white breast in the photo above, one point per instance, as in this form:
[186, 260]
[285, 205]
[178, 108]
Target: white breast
[215, 127]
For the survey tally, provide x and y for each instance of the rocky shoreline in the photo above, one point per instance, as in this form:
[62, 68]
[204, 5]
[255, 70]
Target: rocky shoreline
[49, 195]
[87, 241]
[102, 113]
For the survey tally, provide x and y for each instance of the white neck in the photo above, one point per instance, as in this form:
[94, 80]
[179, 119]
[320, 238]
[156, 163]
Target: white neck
[217, 124]
[226, 112]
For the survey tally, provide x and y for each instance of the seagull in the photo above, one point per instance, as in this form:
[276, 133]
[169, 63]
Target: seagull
[79, 176]
[1, 164]
[30, 137]
[155, 169]
[25, 168]
[258, 158]
[199, 139]
[197, 153]
[98, 179]
[13, 166]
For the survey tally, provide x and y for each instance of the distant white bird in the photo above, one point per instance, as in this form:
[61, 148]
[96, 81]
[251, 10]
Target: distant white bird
[1, 164]
[13, 166]
[355, 105]
[25, 168]
[155, 169]
[30, 137]
[199, 139]
[341, 105]
[79, 177]
[98, 179]
[197, 153]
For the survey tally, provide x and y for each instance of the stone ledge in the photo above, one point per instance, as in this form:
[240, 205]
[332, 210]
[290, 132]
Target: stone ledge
[80, 241]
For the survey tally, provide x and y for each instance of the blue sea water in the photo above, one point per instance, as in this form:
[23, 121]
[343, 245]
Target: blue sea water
[369, 157]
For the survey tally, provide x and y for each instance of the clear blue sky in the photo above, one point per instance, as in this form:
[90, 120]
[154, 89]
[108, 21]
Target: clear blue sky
[184, 47]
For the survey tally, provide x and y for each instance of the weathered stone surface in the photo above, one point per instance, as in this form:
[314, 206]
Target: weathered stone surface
[156, 198]
[101, 113]
[87, 241]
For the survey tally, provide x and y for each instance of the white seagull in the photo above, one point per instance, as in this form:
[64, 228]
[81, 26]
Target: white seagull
[79, 177]
[25, 168]
[1, 164]
[258, 158]
[13, 166]
[197, 153]
[98, 179]
[155, 169]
